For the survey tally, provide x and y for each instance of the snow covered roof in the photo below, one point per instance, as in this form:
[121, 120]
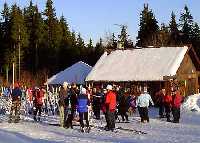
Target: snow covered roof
[145, 64]
[76, 73]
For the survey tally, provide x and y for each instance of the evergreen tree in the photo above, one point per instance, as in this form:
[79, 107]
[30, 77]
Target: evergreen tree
[111, 42]
[53, 36]
[186, 23]
[163, 36]
[196, 38]
[90, 44]
[80, 42]
[124, 38]
[65, 43]
[175, 35]
[99, 49]
[148, 32]
[5, 53]
[73, 39]
[18, 36]
[35, 25]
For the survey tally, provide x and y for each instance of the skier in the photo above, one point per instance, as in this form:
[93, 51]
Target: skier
[97, 103]
[167, 105]
[123, 106]
[38, 103]
[82, 107]
[176, 103]
[142, 103]
[72, 105]
[110, 108]
[160, 101]
[63, 104]
[16, 103]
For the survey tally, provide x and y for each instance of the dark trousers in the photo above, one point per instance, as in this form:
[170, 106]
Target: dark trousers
[176, 114]
[110, 120]
[84, 116]
[143, 111]
[37, 110]
[167, 111]
[70, 117]
[15, 107]
[124, 115]
[97, 112]
[161, 109]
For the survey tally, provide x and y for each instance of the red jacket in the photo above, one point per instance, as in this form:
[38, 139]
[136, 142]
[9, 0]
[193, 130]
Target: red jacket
[38, 95]
[168, 100]
[177, 99]
[111, 101]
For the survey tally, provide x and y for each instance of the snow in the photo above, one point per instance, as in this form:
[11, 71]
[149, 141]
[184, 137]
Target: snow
[192, 103]
[159, 62]
[76, 73]
[158, 131]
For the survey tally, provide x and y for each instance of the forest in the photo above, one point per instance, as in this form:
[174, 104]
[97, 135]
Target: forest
[40, 44]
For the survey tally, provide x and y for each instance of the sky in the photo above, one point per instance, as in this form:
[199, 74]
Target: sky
[98, 18]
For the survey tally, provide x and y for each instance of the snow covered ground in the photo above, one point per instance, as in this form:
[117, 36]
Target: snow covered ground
[158, 131]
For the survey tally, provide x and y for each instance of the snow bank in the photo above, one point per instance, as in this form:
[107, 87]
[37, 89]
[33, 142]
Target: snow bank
[192, 103]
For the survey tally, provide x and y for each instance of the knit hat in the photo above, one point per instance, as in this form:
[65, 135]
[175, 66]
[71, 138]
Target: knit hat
[65, 83]
[109, 87]
[83, 91]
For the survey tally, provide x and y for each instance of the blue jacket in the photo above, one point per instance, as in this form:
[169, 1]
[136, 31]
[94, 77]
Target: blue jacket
[16, 94]
[83, 102]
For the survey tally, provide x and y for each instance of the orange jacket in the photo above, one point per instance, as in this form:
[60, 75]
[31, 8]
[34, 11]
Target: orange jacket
[111, 101]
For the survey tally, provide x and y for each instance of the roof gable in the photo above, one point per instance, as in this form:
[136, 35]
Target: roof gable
[146, 64]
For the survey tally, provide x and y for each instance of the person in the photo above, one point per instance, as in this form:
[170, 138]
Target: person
[82, 108]
[72, 105]
[142, 102]
[38, 103]
[110, 108]
[160, 101]
[103, 105]
[167, 105]
[7, 92]
[176, 104]
[123, 106]
[16, 103]
[63, 103]
[97, 103]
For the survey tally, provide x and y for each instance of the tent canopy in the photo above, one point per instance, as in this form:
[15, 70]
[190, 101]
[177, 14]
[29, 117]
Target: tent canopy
[74, 74]
[142, 64]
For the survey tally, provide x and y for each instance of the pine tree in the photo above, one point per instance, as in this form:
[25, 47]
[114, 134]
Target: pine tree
[35, 25]
[73, 39]
[123, 37]
[196, 38]
[5, 53]
[19, 36]
[53, 36]
[65, 43]
[99, 49]
[80, 42]
[111, 42]
[148, 32]
[186, 23]
[90, 44]
[175, 34]
[163, 36]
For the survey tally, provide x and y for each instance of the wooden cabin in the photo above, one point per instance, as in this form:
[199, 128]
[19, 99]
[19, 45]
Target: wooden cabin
[154, 67]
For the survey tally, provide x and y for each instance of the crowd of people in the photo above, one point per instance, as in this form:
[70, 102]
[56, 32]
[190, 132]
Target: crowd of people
[112, 101]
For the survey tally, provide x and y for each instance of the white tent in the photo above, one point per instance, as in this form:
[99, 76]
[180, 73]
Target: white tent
[74, 74]
[142, 64]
